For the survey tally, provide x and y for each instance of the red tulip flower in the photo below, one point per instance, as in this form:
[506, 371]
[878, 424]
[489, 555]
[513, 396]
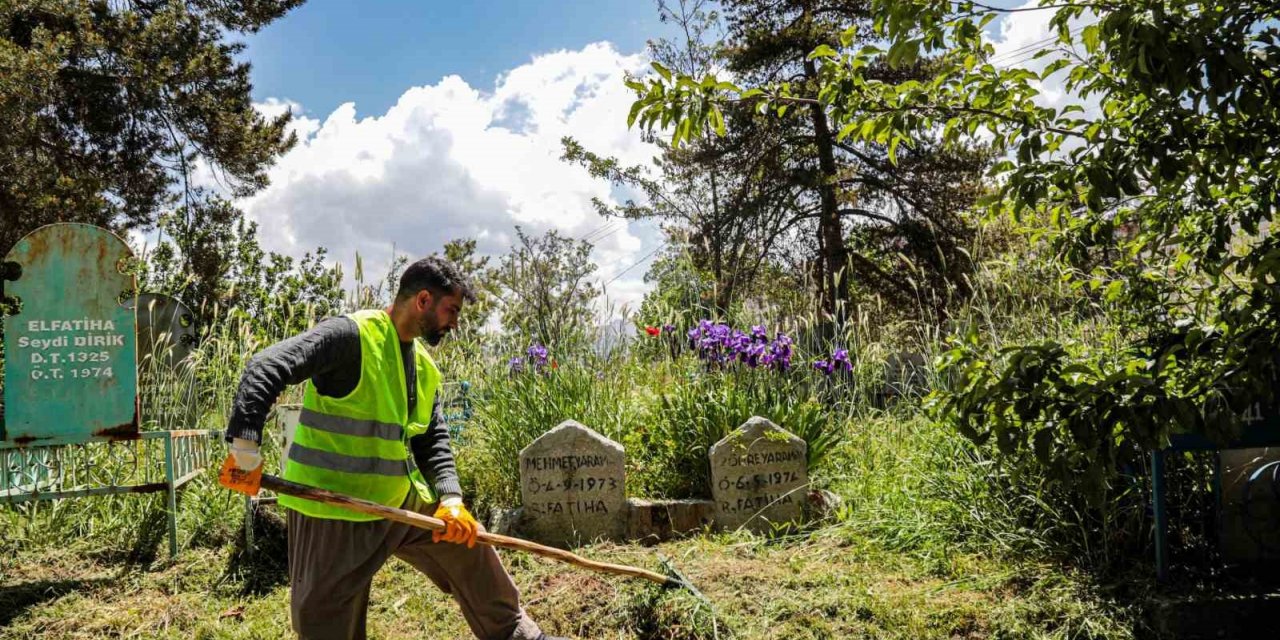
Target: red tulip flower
[652, 331]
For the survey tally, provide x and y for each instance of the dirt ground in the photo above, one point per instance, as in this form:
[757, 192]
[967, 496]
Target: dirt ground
[821, 586]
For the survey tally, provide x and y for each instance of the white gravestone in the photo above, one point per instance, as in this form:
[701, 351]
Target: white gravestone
[572, 486]
[759, 476]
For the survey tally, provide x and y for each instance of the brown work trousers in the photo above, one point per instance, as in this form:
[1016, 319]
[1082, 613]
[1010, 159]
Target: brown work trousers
[332, 562]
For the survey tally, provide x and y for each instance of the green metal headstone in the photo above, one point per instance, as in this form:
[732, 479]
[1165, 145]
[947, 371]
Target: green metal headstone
[70, 351]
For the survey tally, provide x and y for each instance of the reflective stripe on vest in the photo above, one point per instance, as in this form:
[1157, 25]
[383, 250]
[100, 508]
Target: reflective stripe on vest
[347, 464]
[351, 426]
[357, 445]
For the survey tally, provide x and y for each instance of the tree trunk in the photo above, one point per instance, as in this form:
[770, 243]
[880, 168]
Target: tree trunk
[831, 240]
[722, 288]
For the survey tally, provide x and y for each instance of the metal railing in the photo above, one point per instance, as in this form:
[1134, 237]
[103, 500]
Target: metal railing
[151, 462]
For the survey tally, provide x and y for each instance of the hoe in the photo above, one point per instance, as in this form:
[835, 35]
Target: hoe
[250, 482]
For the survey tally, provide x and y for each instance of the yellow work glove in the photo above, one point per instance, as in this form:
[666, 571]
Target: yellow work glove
[460, 526]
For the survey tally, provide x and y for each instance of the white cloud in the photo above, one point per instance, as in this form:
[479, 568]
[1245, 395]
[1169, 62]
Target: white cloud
[449, 161]
[1020, 35]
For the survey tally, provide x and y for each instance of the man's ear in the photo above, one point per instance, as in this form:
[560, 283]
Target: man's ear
[424, 299]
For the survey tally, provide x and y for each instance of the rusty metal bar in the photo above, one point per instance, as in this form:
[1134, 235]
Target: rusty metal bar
[189, 433]
[60, 442]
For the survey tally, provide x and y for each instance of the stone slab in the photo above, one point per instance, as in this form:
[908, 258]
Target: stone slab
[759, 476]
[1202, 617]
[505, 521]
[821, 504]
[904, 376]
[651, 521]
[573, 486]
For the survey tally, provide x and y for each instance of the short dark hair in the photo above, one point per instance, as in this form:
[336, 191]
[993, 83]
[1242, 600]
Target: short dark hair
[437, 275]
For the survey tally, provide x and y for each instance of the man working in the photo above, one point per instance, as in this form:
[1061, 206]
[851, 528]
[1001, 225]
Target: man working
[371, 427]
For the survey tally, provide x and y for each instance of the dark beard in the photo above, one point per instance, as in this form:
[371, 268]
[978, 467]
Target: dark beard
[429, 332]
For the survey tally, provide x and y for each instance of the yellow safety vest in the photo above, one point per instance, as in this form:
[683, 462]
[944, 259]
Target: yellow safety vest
[358, 445]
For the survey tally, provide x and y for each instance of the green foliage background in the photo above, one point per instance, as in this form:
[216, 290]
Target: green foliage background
[1115, 283]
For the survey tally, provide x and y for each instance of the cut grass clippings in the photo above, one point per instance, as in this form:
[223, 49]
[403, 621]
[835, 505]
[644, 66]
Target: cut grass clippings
[819, 586]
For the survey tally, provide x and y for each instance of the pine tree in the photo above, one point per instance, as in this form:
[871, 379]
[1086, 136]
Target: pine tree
[108, 106]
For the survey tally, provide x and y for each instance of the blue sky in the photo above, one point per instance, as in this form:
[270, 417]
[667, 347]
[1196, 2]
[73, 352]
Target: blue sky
[328, 52]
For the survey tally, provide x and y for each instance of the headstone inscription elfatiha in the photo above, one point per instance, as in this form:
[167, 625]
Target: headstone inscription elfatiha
[70, 350]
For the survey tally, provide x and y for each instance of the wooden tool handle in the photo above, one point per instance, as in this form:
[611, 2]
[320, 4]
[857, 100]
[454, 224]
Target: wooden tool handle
[280, 485]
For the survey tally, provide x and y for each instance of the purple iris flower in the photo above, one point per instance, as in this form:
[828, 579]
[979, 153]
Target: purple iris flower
[840, 360]
[720, 345]
[824, 366]
[537, 355]
[753, 355]
[782, 351]
[668, 328]
[516, 364]
[720, 332]
[708, 345]
[714, 338]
